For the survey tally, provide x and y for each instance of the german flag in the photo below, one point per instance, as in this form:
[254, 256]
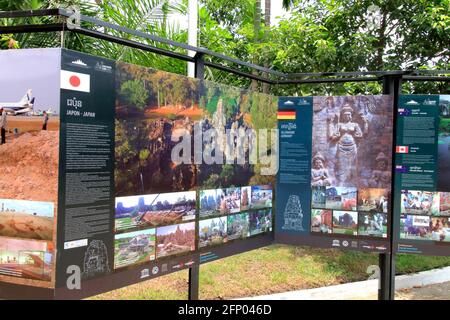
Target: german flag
[286, 115]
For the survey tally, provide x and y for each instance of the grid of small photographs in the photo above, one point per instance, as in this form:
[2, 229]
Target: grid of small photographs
[425, 215]
[155, 226]
[148, 227]
[26, 234]
[349, 211]
[234, 213]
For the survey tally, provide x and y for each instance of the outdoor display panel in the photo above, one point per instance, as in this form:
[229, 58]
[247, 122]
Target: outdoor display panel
[29, 84]
[114, 173]
[334, 182]
[422, 198]
[140, 174]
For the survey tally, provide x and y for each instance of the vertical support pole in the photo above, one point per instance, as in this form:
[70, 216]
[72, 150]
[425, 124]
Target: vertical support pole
[194, 271]
[192, 33]
[194, 283]
[199, 66]
[386, 289]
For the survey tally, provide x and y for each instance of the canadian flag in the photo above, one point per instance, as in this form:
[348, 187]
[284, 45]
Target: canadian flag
[75, 81]
[401, 149]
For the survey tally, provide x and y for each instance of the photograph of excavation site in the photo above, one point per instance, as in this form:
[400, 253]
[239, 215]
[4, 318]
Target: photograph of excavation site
[29, 156]
[26, 219]
[29, 153]
[153, 210]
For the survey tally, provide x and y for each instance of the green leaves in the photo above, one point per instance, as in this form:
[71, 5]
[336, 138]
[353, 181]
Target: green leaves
[317, 36]
[135, 93]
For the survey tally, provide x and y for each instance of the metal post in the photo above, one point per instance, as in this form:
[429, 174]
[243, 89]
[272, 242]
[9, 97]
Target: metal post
[194, 271]
[386, 289]
[199, 66]
[194, 284]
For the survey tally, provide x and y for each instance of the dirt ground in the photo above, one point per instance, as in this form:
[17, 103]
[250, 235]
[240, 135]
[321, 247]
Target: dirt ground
[24, 124]
[29, 166]
[22, 225]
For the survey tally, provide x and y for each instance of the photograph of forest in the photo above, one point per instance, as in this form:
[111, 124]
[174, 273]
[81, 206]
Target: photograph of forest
[153, 110]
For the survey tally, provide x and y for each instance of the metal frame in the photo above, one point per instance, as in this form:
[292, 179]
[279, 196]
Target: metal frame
[392, 81]
[274, 77]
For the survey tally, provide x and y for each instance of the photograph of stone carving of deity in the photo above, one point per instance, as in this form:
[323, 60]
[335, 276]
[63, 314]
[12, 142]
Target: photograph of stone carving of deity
[352, 138]
[340, 198]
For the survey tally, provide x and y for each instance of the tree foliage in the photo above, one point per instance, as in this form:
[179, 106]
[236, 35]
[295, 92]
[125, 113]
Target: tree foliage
[316, 36]
[134, 93]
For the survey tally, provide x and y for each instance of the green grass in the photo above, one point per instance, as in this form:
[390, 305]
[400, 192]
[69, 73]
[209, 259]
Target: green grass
[273, 269]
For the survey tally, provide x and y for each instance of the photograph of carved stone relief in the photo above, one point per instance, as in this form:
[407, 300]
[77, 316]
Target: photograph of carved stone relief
[352, 139]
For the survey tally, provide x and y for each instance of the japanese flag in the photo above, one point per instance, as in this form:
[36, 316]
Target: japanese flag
[75, 81]
[402, 149]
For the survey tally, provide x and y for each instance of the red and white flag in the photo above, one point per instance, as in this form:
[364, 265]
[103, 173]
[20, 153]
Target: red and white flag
[401, 149]
[75, 81]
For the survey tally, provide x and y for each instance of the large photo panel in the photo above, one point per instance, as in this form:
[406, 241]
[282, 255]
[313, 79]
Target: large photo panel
[422, 198]
[236, 176]
[29, 156]
[337, 176]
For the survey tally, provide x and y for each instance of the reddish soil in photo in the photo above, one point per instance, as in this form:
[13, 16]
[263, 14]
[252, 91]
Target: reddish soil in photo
[22, 225]
[177, 110]
[29, 166]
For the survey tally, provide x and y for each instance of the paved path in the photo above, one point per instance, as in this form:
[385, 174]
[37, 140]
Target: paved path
[432, 292]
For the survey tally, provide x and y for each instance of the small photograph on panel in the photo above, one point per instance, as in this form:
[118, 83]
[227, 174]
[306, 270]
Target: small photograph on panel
[238, 226]
[319, 197]
[175, 240]
[345, 222]
[26, 219]
[29, 259]
[440, 229]
[212, 232]
[415, 227]
[134, 247]
[153, 210]
[373, 199]
[372, 224]
[341, 198]
[321, 221]
[260, 221]
[246, 198]
[420, 202]
[215, 202]
[261, 197]
[444, 203]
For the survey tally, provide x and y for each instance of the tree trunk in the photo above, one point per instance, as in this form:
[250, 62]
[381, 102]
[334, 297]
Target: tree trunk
[256, 30]
[267, 12]
[381, 43]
